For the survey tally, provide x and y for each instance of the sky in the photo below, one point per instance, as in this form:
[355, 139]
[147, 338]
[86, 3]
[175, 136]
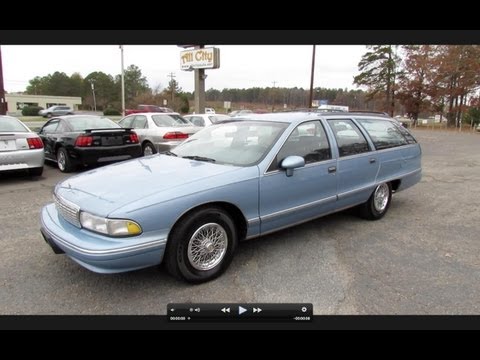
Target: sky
[241, 66]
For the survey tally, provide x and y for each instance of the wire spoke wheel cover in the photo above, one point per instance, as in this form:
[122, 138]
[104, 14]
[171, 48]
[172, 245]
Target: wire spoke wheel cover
[380, 197]
[207, 246]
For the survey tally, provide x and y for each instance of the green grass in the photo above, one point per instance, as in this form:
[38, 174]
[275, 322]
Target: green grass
[32, 118]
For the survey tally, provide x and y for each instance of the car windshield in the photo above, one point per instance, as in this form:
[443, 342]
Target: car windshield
[90, 122]
[169, 120]
[242, 143]
[11, 124]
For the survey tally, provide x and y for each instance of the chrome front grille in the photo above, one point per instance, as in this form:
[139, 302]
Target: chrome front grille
[70, 212]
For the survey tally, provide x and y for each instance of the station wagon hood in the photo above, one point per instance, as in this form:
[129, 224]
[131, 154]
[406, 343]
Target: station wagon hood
[106, 189]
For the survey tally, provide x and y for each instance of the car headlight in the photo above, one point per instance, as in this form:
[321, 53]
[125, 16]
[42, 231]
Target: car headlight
[111, 227]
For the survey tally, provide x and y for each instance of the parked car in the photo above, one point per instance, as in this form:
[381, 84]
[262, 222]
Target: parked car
[206, 119]
[231, 181]
[159, 132]
[478, 127]
[209, 110]
[84, 140]
[147, 108]
[56, 111]
[236, 113]
[20, 148]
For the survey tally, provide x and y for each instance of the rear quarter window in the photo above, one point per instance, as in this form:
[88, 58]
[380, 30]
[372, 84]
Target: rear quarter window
[384, 133]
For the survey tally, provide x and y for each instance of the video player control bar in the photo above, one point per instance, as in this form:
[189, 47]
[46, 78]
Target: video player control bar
[240, 312]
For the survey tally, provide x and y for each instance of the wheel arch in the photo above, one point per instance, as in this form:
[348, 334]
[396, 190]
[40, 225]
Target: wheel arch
[395, 184]
[238, 218]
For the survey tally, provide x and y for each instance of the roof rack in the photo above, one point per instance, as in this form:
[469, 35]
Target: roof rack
[370, 112]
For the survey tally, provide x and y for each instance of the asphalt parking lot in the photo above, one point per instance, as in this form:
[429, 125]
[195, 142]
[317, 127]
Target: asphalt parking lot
[423, 257]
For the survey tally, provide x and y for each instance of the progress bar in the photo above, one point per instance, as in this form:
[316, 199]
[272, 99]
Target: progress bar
[231, 312]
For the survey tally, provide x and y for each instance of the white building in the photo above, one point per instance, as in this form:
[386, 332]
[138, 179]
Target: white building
[16, 102]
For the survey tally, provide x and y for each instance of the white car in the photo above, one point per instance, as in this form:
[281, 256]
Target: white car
[159, 132]
[209, 111]
[206, 119]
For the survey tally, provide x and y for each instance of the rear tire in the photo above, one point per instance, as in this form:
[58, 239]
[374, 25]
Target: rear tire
[148, 149]
[36, 171]
[378, 203]
[63, 161]
[201, 246]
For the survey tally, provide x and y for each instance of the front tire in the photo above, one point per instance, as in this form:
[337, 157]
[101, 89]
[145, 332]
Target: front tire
[63, 161]
[378, 203]
[201, 246]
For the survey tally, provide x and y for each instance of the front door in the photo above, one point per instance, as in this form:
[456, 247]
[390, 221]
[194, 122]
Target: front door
[310, 191]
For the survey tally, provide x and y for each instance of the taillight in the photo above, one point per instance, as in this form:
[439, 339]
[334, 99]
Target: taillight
[134, 138]
[175, 135]
[35, 143]
[83, 141]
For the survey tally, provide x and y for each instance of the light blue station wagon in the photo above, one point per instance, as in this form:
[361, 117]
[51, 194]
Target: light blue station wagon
[231, 181]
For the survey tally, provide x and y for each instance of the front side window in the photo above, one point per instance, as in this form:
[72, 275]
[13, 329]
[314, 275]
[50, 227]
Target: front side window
[350, 140]
[309, 141]
[384, 133]
[127, 122]
[51, 126]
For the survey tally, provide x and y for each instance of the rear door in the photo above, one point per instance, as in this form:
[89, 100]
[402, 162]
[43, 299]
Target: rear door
[357, 165]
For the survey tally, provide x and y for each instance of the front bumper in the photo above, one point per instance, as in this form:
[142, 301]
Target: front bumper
[21, 159]
[100, 253]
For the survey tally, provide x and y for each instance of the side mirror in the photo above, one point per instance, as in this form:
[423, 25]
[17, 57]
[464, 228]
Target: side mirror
[292, 162]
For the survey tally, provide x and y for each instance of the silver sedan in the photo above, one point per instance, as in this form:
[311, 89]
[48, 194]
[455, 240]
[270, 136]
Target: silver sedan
[159, 132]
[20, 148]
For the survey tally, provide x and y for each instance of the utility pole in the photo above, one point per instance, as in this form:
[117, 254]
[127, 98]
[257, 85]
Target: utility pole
[200, 88]
[3, 103]
[273, 96]
[94, 100]
[311, 79]
[172, 76]
[123, 82]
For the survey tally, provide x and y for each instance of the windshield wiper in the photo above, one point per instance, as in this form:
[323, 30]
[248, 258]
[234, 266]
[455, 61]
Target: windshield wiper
[169, 153]
[199, 158]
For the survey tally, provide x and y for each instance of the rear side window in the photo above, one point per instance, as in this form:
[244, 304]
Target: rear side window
[350, 139]
[384, 133]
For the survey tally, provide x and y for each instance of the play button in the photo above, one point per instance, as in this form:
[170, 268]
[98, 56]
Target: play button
[241, 310]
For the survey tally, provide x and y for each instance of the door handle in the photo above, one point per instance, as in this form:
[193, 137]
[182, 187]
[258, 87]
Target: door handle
[332, 169]
[372, 160]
